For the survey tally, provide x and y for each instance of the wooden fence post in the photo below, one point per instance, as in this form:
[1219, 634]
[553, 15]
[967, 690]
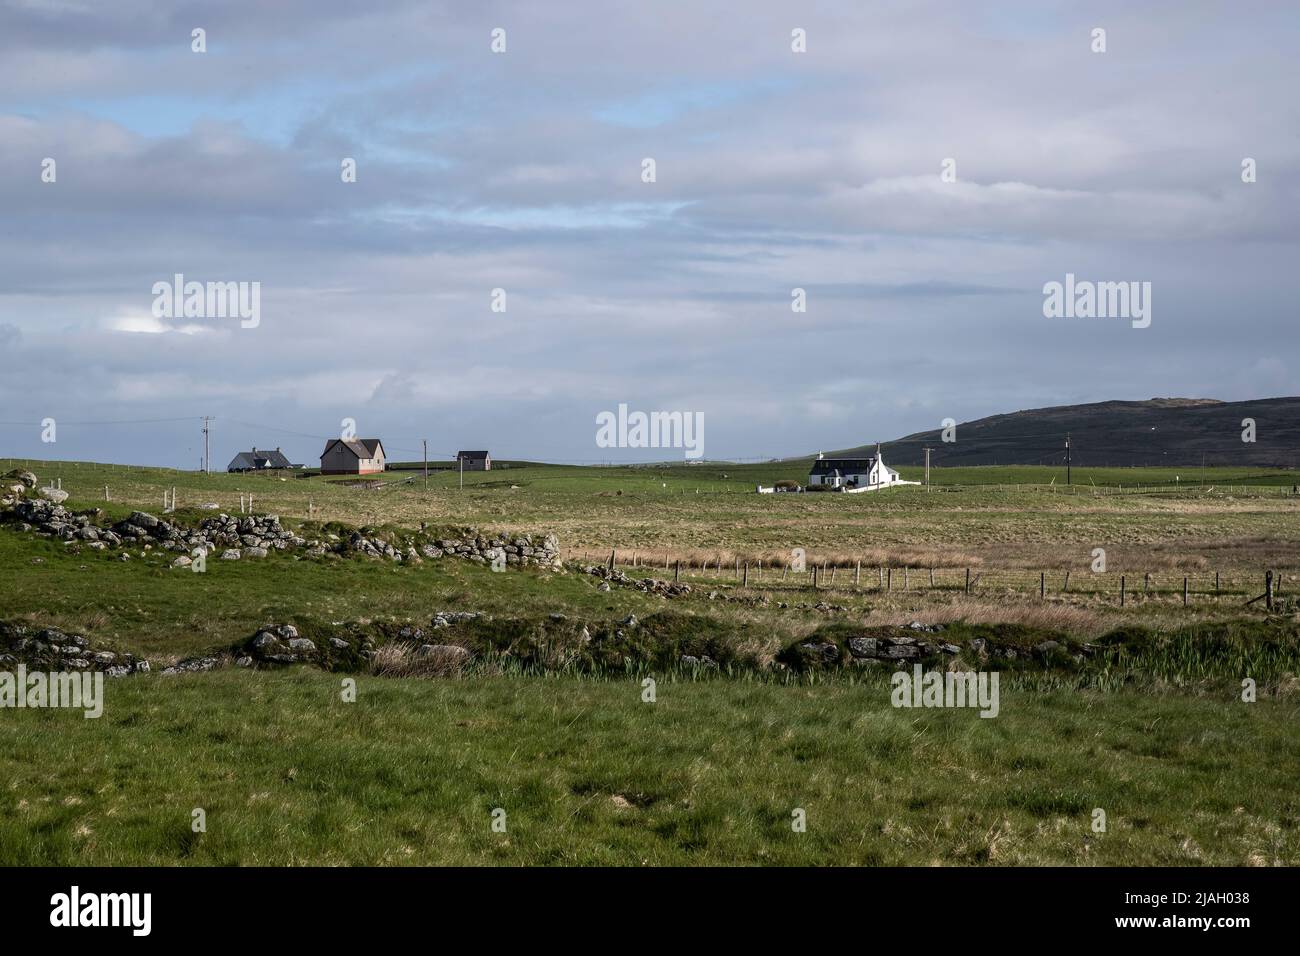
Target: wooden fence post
[814, 579]
[677, 571]
[968, 580]
[1067, 581]
[745, 583]
[1268, 590]
[1042, 584]
[1184, 592]
[857, 572]
[889, 579]
[1121, 590]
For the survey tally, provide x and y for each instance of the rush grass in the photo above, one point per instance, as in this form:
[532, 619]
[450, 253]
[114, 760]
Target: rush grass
[588, 773]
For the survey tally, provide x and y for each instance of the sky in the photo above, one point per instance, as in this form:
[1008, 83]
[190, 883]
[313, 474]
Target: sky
[523, 171]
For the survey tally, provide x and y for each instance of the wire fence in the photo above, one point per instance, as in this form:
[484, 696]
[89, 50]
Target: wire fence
[857, 577]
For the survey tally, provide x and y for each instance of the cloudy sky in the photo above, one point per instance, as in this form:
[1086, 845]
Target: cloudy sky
[522, 171]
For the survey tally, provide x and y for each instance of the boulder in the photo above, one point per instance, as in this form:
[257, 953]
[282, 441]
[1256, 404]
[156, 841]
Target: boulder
[902, 651]
[446, 654]
[57, 495]
[864, 646]
[22, 477]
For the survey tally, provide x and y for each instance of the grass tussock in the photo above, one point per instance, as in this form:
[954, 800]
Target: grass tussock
[404, 659]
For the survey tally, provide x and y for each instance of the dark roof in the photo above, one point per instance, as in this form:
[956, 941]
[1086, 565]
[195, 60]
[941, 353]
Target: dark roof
[360, 447]
[824, 466]
[257, 458]
[471, 454]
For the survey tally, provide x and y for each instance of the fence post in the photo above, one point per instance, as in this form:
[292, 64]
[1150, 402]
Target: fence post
[745, 583]
[677, 571]
[1268, 590]
[814, 580]
[889, 579]
[968, 580]
[857, 572]
[1216, 582]
[1067, 581]
[611, 559]
[932, 579]
[1121, 590]
[1042, 584]
[1184, 592]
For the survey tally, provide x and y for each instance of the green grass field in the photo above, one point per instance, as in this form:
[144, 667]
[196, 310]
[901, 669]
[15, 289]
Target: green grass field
[1011, 518]
[586, 772]
[709, 773]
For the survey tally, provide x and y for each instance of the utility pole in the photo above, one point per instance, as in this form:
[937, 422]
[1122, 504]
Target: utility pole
[927, 468]
[207, 470]
[426, 464]
[461, 459]
[1067, 458]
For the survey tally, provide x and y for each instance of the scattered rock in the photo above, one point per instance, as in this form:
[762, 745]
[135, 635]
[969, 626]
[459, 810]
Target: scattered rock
[193, 665]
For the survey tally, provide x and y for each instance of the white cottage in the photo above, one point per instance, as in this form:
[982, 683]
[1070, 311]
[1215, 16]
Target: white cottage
[852, 473]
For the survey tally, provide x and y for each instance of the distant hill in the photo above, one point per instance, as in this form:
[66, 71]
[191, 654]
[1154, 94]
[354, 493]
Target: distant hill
[1161, 431]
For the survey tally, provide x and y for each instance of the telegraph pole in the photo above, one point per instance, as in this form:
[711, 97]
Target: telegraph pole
[207, 470]
[1067, 458]
[426, 464]
[461, 459]
[927, 468]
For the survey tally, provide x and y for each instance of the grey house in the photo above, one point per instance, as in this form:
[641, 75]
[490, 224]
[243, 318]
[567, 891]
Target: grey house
[358, 456]
[474, 460]
[257, 460]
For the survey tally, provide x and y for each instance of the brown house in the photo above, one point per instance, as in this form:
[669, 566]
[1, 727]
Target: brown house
[360, 456]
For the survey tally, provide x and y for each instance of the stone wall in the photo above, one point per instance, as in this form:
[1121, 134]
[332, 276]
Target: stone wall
[236, 537]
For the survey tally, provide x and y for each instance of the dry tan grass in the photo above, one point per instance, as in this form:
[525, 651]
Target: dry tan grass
[403, 660]
[727, 559]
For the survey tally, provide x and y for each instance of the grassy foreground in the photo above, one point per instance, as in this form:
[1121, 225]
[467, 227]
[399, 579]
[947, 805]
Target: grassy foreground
[588, 773]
